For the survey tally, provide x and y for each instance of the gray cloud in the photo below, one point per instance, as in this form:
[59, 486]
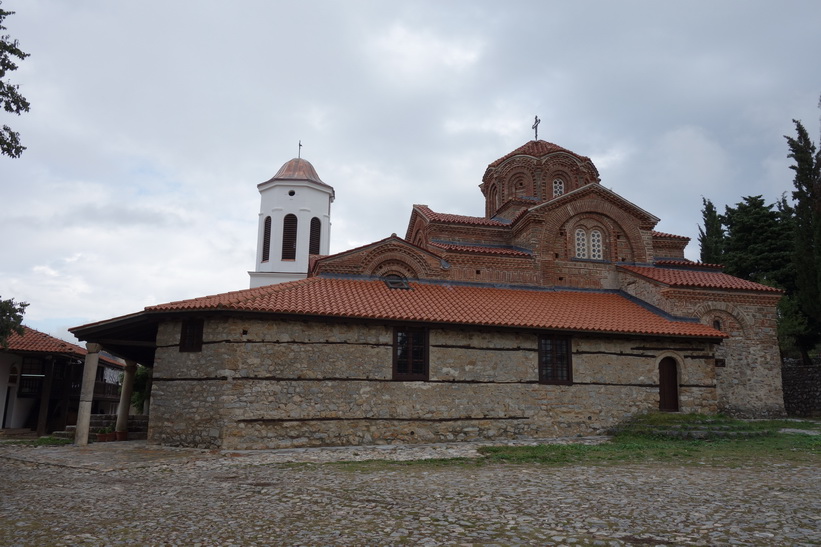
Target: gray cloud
[153, 122]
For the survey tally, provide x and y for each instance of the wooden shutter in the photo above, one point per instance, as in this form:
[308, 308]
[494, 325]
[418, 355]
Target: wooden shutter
[289, 237]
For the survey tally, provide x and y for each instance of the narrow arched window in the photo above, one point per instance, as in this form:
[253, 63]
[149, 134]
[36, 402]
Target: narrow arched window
[558, 187]
[289, 237]
[316, 232]
[266, 240]
[581, 243]
[596, 247]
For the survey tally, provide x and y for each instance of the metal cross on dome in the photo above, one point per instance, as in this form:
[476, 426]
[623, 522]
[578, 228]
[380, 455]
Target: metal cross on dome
[536, 127]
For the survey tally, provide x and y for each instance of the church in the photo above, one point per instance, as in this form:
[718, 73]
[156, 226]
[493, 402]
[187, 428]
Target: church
[559, 311]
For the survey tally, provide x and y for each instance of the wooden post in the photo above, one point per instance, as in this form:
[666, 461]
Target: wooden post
[87, 394]
[45, 397]
[125, 397]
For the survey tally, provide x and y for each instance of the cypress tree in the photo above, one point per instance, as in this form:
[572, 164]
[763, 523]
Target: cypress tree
[807, 236]
[711, 237]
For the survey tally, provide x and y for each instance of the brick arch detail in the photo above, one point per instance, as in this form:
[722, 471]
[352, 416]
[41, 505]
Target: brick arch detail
[618, 222]
[708, 311]
[382, 260]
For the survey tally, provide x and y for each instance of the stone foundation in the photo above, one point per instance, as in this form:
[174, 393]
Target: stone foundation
[276, 384]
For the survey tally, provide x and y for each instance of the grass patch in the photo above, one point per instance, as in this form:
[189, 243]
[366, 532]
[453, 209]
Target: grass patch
[645, 439]
[40, 441]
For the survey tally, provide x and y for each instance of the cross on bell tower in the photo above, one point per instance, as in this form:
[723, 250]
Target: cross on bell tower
[535, 127]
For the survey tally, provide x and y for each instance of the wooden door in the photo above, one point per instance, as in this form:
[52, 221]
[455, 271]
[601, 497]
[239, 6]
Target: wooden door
[668, 385]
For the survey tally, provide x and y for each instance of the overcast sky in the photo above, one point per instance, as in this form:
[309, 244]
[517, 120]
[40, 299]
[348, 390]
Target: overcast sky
[152, 123]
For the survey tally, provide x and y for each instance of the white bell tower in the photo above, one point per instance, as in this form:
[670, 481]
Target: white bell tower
[294, 223]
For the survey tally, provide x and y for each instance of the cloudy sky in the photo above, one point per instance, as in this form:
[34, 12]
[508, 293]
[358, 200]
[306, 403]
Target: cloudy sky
[152, 122]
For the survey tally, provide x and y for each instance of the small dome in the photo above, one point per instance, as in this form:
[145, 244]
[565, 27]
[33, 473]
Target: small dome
[297, 169]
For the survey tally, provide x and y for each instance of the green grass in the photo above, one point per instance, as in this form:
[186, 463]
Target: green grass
[41, 441]
[641, 440]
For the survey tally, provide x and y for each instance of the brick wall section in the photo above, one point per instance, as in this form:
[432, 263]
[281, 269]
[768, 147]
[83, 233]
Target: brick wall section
[802, 389]
[750, 383]
[288, 384]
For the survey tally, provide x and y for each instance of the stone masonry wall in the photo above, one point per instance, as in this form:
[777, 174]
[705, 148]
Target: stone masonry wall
[270, 384]
[749, 383]
[802, 388]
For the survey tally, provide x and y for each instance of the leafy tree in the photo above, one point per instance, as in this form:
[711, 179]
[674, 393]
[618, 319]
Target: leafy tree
[10, 98]
[141, 387]
[807, 237]
[11, 319]
[711, 237]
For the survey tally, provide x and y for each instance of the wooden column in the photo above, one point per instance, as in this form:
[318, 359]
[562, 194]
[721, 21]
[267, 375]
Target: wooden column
[87, 394]
[45, 396]
[125, 396]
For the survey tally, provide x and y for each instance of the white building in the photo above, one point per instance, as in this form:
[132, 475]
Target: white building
[294, 223]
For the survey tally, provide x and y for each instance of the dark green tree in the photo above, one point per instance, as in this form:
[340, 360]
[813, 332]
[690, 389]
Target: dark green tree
[10, 98]
[759, 241]
[807, 238]
[11, 319]
[711, 237]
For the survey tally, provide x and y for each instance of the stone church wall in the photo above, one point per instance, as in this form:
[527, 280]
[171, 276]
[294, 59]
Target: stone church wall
[273, 384]
[748, 379]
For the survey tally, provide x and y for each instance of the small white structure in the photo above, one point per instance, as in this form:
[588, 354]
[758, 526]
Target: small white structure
[294, 223]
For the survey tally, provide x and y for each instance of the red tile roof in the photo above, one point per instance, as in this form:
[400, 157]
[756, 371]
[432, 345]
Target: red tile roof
[480, 249]
[654, 233]
[34, 341]
[536, 149]
[457, 219]
[480, 305]
[40, 342]
[684, 263]
[692, 278]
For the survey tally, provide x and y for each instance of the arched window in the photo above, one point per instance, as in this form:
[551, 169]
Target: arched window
[266, 240]
[596, 249]
[581, 243]
[316, 232]
[558, 187]
[589, 244]
[289, 237]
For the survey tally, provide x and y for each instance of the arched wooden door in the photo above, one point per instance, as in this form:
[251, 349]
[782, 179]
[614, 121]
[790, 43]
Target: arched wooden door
[668, 385]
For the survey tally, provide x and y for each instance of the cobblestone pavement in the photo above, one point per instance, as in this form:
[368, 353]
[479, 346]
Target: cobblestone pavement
[131, 493]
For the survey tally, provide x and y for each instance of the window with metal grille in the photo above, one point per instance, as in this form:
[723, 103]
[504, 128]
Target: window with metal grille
[191, 335]
[589, 245]
[558, 187]
[266, 240]
[289, 237]
[555, 365]
[581, 243]
[316, 233]
[596, 246]
[410, 354]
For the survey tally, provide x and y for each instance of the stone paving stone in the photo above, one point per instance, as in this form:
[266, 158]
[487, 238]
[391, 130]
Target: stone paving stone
[135, 494]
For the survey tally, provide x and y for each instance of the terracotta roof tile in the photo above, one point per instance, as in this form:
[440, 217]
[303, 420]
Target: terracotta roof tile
[457, 219]
[480, 249]
[687, 277]
[684, 263]
[40, 342]
[480, 305]
[654, 233]
[34, 341]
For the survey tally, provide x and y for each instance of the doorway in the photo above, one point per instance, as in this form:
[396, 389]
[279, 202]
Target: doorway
[668, 385]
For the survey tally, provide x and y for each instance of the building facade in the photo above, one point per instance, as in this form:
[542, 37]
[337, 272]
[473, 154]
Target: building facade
[560, 311]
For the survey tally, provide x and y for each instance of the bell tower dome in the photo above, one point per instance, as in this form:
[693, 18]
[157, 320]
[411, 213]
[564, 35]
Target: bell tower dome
[294, 223]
